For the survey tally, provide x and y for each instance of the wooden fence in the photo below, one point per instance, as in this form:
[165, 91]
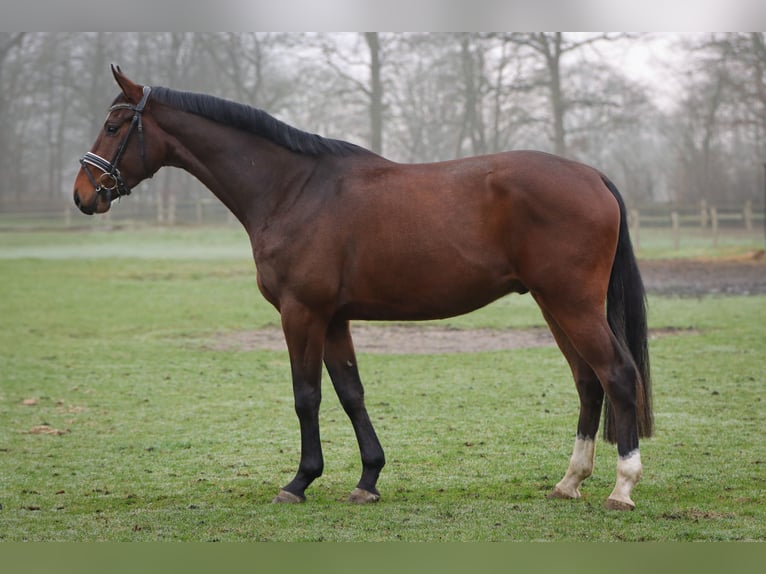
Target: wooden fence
[132, 211]
[710, 219]
[676, 222]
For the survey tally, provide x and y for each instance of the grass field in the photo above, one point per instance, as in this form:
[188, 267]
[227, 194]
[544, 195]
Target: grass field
[119, 422]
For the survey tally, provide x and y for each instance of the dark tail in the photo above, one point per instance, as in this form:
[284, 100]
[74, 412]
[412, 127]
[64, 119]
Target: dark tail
[626, 314]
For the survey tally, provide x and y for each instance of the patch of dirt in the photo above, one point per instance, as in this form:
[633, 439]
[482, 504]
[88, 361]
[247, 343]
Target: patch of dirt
[401, 339]
[413, 339]
[686, 278]
[47, 429]
[744, 275]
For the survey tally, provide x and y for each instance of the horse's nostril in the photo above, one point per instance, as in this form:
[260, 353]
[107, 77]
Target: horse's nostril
[87, 210]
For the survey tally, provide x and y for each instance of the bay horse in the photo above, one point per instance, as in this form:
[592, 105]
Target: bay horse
[339, 233]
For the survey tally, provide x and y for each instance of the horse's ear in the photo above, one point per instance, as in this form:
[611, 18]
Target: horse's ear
[132, 91]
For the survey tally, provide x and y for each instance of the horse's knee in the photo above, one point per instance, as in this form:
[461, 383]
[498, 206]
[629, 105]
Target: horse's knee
[307, 402]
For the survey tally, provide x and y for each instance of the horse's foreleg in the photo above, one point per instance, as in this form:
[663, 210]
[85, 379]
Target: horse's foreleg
[304, 334]
[340, 361]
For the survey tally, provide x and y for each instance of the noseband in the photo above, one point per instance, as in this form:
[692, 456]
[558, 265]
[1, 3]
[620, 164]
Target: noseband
[110, 179]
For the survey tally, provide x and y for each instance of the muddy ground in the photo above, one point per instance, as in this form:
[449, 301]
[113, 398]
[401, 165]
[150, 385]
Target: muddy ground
[741, 276]
[683, 278]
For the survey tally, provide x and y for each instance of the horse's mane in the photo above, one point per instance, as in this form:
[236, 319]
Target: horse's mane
[253, 120]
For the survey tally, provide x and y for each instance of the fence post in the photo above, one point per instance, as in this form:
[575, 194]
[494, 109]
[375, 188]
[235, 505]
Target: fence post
[160, 215]
[199, 211]
[171, 218]
[676, 230]
[714, 224]
[703, 214]
[634, 222]
[748, 215]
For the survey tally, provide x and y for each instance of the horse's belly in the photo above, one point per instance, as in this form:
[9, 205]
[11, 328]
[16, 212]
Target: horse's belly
[418, 297]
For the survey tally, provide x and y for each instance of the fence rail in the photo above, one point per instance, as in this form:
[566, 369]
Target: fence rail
[702, 220]
[703, 217]
[130, 212]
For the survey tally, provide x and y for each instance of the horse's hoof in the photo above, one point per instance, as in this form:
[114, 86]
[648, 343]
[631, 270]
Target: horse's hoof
[560, 494]
[361, 496]
[614, 504]
[285, 497]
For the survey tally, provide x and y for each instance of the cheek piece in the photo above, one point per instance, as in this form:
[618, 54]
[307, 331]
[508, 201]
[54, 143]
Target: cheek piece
[110, 183]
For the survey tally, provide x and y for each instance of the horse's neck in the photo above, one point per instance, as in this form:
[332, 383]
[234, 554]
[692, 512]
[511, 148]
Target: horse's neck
[250, 175]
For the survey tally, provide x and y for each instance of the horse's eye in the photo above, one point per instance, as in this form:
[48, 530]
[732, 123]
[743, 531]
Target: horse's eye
[111, 129]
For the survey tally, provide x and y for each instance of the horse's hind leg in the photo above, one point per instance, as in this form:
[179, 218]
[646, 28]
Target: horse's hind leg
[586, 328]
[340, 360]
[591, 398]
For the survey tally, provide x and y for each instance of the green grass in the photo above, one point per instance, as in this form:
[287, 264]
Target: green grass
[163, 438]
[658, 243]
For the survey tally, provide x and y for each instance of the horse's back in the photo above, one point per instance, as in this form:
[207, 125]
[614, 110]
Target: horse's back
[434, 240]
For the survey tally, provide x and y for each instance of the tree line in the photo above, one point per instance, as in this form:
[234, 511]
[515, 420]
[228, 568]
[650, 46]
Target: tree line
[413, 97]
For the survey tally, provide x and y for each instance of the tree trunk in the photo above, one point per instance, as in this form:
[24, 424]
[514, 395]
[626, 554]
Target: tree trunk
[472, 121]
[558, 103]
[376, 93]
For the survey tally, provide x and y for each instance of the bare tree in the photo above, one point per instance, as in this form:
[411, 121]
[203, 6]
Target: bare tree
[720, 123]
[416, 97]
[10, 45]
[375, 92]
[551, 49]
[361, 72]
[472, 125]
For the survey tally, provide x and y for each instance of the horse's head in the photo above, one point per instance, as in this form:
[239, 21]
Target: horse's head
[128, 150]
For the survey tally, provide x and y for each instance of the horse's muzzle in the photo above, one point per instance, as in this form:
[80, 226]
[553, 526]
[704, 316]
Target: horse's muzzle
[86, 209]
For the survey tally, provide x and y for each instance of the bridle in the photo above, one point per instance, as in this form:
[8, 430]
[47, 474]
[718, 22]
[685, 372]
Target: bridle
[110, 179]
